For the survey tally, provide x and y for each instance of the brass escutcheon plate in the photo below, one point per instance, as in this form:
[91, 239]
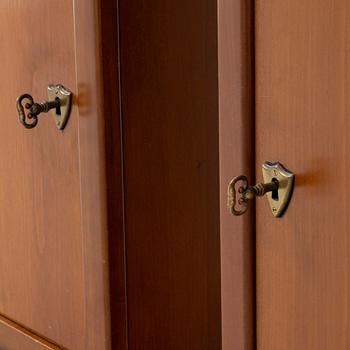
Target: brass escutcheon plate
[61, 115]
[278, 201]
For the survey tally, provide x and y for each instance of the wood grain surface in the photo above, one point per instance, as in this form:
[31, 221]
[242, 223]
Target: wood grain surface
[303, 106]
[53, 229]
[171, 165]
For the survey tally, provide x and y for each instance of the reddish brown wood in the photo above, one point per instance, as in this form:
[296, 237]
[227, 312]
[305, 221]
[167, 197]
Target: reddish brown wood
[303, 106]
[177, 161]
[39, 189]
[236, 127]
[53, 223]
[171, 162]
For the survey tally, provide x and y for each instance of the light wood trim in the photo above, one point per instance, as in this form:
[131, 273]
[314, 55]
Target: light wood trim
[236, 132]
[93, 173]
[14, 336]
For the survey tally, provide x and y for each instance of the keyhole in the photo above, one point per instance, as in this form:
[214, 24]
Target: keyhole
[275, 192]
[58, 109]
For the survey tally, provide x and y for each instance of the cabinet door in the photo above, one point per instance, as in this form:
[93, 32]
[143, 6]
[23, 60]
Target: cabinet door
[52, 205]
[303, 107]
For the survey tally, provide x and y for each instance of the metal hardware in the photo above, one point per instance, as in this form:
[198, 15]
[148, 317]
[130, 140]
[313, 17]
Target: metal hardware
[278, 186]
[60, 100]
[276, 171]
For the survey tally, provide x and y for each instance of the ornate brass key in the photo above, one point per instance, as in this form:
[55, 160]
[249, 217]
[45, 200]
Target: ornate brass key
[278, 186]
[34, 109]
[59, 100]
[247, 193]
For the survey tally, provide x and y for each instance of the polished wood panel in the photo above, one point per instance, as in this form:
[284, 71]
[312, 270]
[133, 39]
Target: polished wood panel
[236, 153]
[303, 106]
[171, 165]
[40, 181]
[13, 337]
[53, 222]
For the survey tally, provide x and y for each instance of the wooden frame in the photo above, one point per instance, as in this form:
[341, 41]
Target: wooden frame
[229, 34]
[234, 49]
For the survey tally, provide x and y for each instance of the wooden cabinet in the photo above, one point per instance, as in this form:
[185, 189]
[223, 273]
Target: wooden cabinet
[114, 233]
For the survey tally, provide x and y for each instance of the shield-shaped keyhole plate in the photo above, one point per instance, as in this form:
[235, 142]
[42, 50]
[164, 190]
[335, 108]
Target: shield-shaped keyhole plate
[279, 199]
[61, 114]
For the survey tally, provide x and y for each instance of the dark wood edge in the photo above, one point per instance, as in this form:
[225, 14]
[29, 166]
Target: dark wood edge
[114, 164]
[237, 156]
